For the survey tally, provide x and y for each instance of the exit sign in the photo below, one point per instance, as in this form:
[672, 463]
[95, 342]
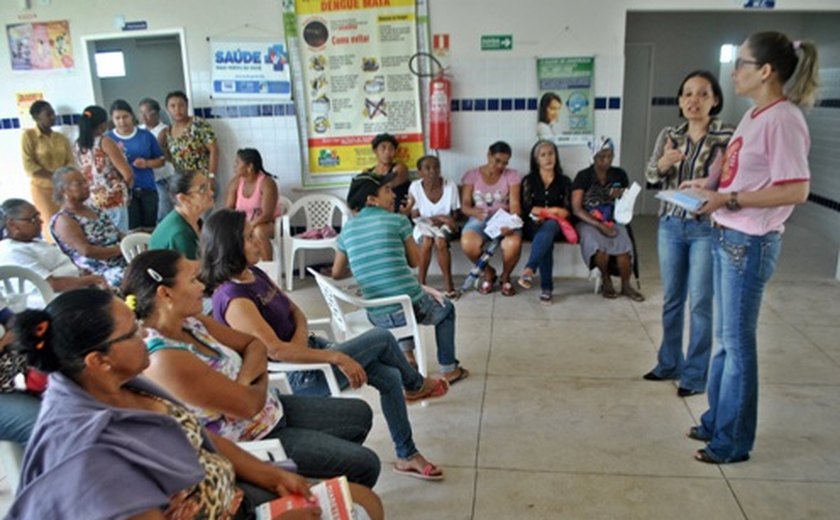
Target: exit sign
[497, 42]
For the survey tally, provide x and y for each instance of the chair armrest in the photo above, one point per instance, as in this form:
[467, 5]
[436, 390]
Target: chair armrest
[280, 382]
[287, 226]
[275, 367]
[321, 325]
[403, 300]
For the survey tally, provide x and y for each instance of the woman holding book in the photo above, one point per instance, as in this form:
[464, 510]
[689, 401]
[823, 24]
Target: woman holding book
[692, 150]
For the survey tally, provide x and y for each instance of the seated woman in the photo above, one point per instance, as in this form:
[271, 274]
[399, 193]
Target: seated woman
[545, 207]
[20, 224]
[110, 444]
[385, 149]
[593, 196]
[246, 299]
[84, 233]
[435, 200]
[486, 190]
[192, 194]
[221, 374]
[379, 247]
[253, 191]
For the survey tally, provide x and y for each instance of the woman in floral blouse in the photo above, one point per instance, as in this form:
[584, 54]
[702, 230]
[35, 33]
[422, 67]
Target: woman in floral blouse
[190, 143]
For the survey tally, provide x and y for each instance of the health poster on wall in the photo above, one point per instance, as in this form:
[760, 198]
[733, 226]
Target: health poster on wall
[353, 73]
[250, 69]
[40, 45]
[572, 81]
[24, 101]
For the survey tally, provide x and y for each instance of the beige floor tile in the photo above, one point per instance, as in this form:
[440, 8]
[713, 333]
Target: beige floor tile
[826, 339]
[571, 349]
[407, 498]
[786, 356]
[581, 305]
[600, 426]
[806, 303]
[785, 500]
[539, 496]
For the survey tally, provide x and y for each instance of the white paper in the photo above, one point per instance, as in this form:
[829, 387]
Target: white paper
[689, 200]
[501, 219]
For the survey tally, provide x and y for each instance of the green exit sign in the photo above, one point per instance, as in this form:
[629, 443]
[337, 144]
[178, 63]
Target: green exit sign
[497, 42]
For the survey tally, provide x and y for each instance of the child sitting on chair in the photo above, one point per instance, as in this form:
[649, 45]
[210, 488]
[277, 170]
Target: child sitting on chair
[381, 251]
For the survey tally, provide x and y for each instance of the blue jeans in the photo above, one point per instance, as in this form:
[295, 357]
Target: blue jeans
[743, 265]
[427, 311]
[324, 437]
[685, 264]
[119, 216]
[164, 202]
[387, 370]
[20, 410]
[542, 253]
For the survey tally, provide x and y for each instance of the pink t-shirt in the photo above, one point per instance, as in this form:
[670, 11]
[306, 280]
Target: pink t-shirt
[494, 196]
[769, 147]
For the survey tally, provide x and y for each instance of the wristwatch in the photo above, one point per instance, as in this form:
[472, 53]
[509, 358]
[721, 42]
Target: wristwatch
[732, 203]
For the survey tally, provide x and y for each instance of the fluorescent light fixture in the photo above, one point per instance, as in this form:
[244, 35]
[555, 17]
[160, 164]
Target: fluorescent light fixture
[728, 52]
[110, 64]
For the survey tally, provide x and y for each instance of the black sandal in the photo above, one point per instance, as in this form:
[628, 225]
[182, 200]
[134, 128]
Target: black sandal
[708, 457]
[694, 433]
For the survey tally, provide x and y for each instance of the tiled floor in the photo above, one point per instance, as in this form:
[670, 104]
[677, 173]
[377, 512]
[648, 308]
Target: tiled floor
[556, 422]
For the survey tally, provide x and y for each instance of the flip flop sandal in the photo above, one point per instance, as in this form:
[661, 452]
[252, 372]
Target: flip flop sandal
[507, 289]
[438, 389]
[633, 294]
[486, 286]
[463, 373]
[429, 472]
[525, 280]
[546, 297]
[695, 433]
[609, 294]
[708, 457]
[452, 295]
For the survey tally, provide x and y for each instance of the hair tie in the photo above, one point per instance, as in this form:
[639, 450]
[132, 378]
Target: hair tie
[40, 330]
[131, 301]
[154, 275]
[797, 44]
[87, 113]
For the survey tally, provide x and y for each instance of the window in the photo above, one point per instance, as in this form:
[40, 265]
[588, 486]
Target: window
[728, 53]
[110, 64]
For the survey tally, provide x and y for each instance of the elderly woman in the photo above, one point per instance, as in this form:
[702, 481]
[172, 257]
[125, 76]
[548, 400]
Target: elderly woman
[21, 225]
[192, 193]
[84, 233]
[105, 166]
[594, 191]
[254, 192]
[246, 299]
[221, 374]
[44, 151]
[486, 190]
[190, 143]
[110, 444]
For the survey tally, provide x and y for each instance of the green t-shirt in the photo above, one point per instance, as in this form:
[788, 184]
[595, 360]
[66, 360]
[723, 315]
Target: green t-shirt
[173, 232]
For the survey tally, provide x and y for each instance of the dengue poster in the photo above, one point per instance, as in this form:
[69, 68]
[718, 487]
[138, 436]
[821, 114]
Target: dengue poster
[355, 81]
[250, 69]
[569, 121]
[40, 46]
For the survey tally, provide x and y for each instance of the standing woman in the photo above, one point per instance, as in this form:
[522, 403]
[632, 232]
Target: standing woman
[546, 196]
[104, 166]
[149, 111]
[190, 143]
[691, 151]
[254, 192]
[765, 173]
[44, 151]
[143, 153]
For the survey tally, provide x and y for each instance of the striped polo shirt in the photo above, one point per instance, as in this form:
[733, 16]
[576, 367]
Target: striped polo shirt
[374, 242]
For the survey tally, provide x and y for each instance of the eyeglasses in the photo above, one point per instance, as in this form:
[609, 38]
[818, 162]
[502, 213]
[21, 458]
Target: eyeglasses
[203, 189]
[739, 62]
[33, 219]
[133, 333]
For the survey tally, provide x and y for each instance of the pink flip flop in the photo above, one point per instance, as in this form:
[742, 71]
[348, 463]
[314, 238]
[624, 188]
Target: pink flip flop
[428, 473]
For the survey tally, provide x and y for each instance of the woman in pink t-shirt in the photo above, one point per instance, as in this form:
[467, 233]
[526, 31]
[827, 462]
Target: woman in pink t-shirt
[486, 190]
[765, 173]
[254, 192]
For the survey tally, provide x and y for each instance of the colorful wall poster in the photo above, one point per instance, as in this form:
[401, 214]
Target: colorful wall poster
[250, 69]
[572, 80]
[354, 81]
[40, 45]
[24, 101]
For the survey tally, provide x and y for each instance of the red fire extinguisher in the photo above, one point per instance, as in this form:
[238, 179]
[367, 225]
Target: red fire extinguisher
[440, 124]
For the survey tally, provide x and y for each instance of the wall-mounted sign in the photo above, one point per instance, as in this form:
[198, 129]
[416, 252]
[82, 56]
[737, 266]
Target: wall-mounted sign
[250, 69]
[760, 4]
[497, 42]
[138, 25]
[440, 45]
[40, 45]
[567, 88]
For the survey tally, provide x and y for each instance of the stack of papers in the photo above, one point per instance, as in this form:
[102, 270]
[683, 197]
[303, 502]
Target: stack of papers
[501, 219]
[689, 200]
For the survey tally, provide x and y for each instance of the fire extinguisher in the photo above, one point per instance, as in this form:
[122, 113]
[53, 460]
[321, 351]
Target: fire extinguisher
[440, 123]
[440, 99]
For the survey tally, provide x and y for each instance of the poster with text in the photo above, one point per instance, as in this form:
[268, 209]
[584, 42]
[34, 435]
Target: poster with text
[569, 121]
[250, 69]
[24, 101]
[40, 46]
[355, 81]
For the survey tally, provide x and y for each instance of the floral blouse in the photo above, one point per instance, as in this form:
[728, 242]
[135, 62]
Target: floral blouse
[229, 363]
[101, 232]
[189, 150]
[108, 189]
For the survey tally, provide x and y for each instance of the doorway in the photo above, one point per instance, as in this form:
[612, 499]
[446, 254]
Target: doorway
[136, 65]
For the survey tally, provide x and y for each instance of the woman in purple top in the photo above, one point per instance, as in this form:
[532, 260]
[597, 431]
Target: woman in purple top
[245, 298]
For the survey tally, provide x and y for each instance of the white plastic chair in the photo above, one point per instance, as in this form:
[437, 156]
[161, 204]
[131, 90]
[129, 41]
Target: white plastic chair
[319, 211]
[279, 367]
[17, 284]
[11, 457]
[133, 244]
[277, 242]
[349, 324]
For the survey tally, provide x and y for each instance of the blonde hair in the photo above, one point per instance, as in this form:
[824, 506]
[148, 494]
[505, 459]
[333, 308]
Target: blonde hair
[795, 63]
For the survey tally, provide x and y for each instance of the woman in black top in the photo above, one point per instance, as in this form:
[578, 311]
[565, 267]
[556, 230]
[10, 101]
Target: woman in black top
[545, 203]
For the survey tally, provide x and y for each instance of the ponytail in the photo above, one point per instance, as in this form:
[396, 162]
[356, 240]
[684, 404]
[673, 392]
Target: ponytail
[795, 64]
[803, 86]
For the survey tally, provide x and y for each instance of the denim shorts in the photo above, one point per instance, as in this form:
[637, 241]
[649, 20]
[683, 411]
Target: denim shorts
[477, 226]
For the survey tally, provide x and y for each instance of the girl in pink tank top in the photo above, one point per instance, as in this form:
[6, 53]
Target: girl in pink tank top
[260, 206]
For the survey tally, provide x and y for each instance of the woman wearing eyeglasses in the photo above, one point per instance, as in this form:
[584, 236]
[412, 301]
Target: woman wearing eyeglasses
[765, 173]
[192, 194]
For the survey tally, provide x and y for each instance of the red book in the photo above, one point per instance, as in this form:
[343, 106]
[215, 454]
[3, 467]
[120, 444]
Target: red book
[332, 496]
